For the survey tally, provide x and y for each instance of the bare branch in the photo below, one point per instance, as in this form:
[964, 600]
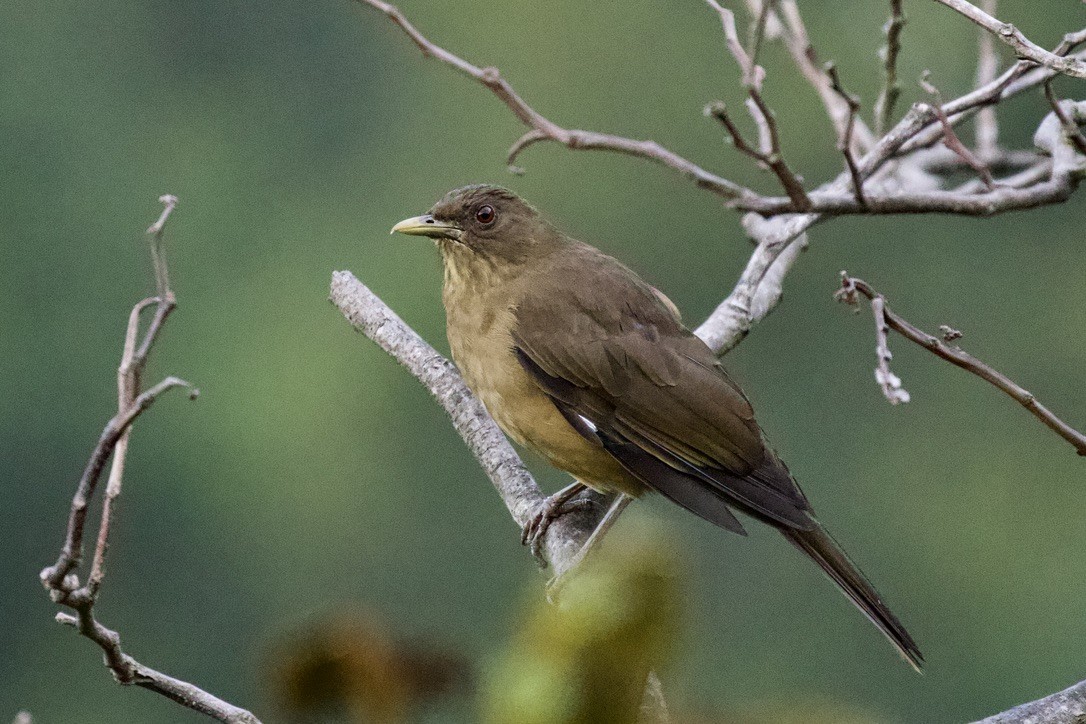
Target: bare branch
[987, 126]
[757, 31]
[851, 286]
[543, 129]
[518, 490]
[753, 76]
[888, 381]
[60, 579]
[1070, 128]
[759, 289]
[1023, 46]
[1063, 707]
[805, 58]
[844, 141]
[891, 89]
[950, 138]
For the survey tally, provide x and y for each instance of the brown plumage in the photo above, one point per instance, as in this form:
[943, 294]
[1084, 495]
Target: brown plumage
[579, 359]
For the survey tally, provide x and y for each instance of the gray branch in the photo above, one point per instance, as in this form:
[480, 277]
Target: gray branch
[522, 496]
[1063, 707]
[61, 579]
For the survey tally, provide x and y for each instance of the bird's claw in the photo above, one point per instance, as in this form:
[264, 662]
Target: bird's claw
[551, 509]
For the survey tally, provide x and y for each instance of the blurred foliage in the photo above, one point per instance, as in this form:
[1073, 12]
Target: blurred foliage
[314, 475]
[586, 659]
[349, 666]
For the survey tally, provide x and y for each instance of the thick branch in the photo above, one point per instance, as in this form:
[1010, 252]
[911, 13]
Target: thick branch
[1063, 707]
[518, 490]
[851, 286]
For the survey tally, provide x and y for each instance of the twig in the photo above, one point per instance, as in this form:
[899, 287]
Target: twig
[891, 89]
[757, 31]
[888, 381]
[844, 141]
[753, 76]
[60, 579]
[805, 58]
[950, 138]
[543, 129]
[1023, 46]
[987, 126]
[1070, 128]
[851, 286]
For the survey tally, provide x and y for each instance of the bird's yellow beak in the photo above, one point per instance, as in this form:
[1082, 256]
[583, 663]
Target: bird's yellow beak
[427, 225]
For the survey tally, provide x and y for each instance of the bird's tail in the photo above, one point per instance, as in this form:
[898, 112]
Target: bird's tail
[824, 550]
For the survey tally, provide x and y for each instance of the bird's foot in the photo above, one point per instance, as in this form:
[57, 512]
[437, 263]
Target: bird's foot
[550, 510]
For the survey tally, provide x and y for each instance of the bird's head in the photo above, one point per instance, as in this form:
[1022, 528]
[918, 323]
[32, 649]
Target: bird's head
[485, 221]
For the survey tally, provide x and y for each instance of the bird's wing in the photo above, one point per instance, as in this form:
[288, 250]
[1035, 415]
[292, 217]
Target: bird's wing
[620, 366]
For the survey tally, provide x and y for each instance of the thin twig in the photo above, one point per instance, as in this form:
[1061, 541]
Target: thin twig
[1074, 133]
[891, 88]
[1023, 46]
[753, 76]
[851, 286]
[890, 383]
[543, 129]
[61, 579]
[844, 142]
[950, 138]
[757, 31]
[805, 58]
[987, 125]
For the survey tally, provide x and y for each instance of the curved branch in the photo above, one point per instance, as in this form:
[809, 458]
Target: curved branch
[61, 579]
[1012, 36]
[885, 319]
[546, 130]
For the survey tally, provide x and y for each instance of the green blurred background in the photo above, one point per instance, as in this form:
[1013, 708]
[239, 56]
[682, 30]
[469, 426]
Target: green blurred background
[314, 475]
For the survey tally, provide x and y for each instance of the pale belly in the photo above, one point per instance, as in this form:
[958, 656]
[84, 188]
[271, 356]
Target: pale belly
[528, 416]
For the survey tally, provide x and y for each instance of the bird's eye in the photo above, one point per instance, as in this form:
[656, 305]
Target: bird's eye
[484, 214]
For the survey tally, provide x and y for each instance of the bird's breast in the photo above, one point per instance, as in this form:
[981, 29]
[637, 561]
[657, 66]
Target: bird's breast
[480, 328]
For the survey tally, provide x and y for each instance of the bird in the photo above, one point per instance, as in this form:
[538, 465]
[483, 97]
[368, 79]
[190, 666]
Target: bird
[580, 360]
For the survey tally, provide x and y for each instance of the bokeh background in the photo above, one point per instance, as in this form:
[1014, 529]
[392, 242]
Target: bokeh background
[313, 476]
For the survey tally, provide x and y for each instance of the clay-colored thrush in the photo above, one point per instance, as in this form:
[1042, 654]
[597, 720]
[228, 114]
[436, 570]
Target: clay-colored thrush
[578, 358]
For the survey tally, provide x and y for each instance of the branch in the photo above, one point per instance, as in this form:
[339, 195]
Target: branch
[1063, 707]
[891, 89]
[803, 54]
[987, 126]
[1023, 46]
[543, 129]
[887, 319]
[753, 75]
[758, 291]
[368, 314]
[950, 138]
[917, 130]
[844, 141]
[566, 536]
[61, 578]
